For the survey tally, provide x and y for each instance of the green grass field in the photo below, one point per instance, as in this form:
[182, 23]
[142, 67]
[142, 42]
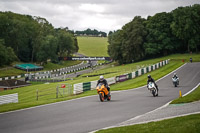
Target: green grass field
[27, 95]
[93, 46]
[186, 124]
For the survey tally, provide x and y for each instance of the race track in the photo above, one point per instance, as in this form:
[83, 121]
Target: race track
[88, 114]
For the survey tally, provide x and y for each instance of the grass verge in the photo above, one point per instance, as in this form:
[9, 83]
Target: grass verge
[193, 96]
[185, 124]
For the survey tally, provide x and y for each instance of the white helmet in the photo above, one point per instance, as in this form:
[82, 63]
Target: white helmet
[101, 77]
[174, 74]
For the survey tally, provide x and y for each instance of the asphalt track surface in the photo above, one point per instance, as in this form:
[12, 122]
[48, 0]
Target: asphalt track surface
[88, 114]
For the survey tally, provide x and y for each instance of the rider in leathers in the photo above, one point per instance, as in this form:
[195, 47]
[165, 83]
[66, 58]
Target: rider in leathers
[150, 79]
[175, 76]
[104, 81]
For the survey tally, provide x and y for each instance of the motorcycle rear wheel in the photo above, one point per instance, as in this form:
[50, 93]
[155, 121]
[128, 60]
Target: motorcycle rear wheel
[109, 97]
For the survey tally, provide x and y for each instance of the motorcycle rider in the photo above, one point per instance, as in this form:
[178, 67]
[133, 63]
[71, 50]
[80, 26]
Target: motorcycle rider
[175, 76]
[150, 79]
[104, 81]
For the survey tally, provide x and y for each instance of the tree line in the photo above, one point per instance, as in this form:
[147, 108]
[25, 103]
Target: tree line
[90, 32]
[33, 39]
[162, 34]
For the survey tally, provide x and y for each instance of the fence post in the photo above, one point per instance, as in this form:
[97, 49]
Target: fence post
[57, 92]
[37, 94]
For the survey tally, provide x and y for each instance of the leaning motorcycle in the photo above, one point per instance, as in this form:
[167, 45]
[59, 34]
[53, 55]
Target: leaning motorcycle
[152, 88]
[103, 92]
[175, 81]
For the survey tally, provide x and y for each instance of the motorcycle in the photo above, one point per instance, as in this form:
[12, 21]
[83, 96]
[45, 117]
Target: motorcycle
[175, 81]
[103, 92]
[153, 89]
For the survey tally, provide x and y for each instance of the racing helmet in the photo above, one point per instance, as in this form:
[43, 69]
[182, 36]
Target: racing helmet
[149, 76]
[101, 77]
[174, 74]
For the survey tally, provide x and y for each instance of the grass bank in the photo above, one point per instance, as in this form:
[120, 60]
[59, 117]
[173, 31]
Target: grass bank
[193, 96]
[186, 124]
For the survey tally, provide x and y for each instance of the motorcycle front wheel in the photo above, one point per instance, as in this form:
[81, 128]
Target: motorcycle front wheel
[175, 84]
[154, 93]
[101, 97]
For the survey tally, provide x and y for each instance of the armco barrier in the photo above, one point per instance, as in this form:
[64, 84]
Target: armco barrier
[133, 75]
[81, 87]
[121, 78]
[130, 76]
[86, 86]
[93, 85]
[111, 80]
[78, 88]
[11, 98]
[136, 74]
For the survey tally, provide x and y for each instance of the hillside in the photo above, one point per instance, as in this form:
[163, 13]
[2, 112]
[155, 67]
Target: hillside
[93, 46]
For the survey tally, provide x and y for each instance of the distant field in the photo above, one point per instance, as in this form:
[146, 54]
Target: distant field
[93, 46]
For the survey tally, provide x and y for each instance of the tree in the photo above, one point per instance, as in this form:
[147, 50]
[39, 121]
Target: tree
[90, 32]
[185, 26]
[30, 37]
[194, 42]
[7, 55]
[126, 45]
[48, 49]
[67, 45]
[114, 47]
[134, 34]
[159, 40]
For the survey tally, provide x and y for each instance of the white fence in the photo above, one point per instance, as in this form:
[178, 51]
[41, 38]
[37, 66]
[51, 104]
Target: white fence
[78, 88]
[11, 98]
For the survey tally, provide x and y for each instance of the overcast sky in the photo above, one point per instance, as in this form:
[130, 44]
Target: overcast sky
[104, 15]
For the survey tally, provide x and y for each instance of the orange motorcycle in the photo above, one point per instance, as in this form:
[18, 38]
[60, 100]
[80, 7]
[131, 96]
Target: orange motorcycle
[103, 92]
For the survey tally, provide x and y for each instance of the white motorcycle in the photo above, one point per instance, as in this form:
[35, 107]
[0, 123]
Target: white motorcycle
[175, 81]
[153, 89]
